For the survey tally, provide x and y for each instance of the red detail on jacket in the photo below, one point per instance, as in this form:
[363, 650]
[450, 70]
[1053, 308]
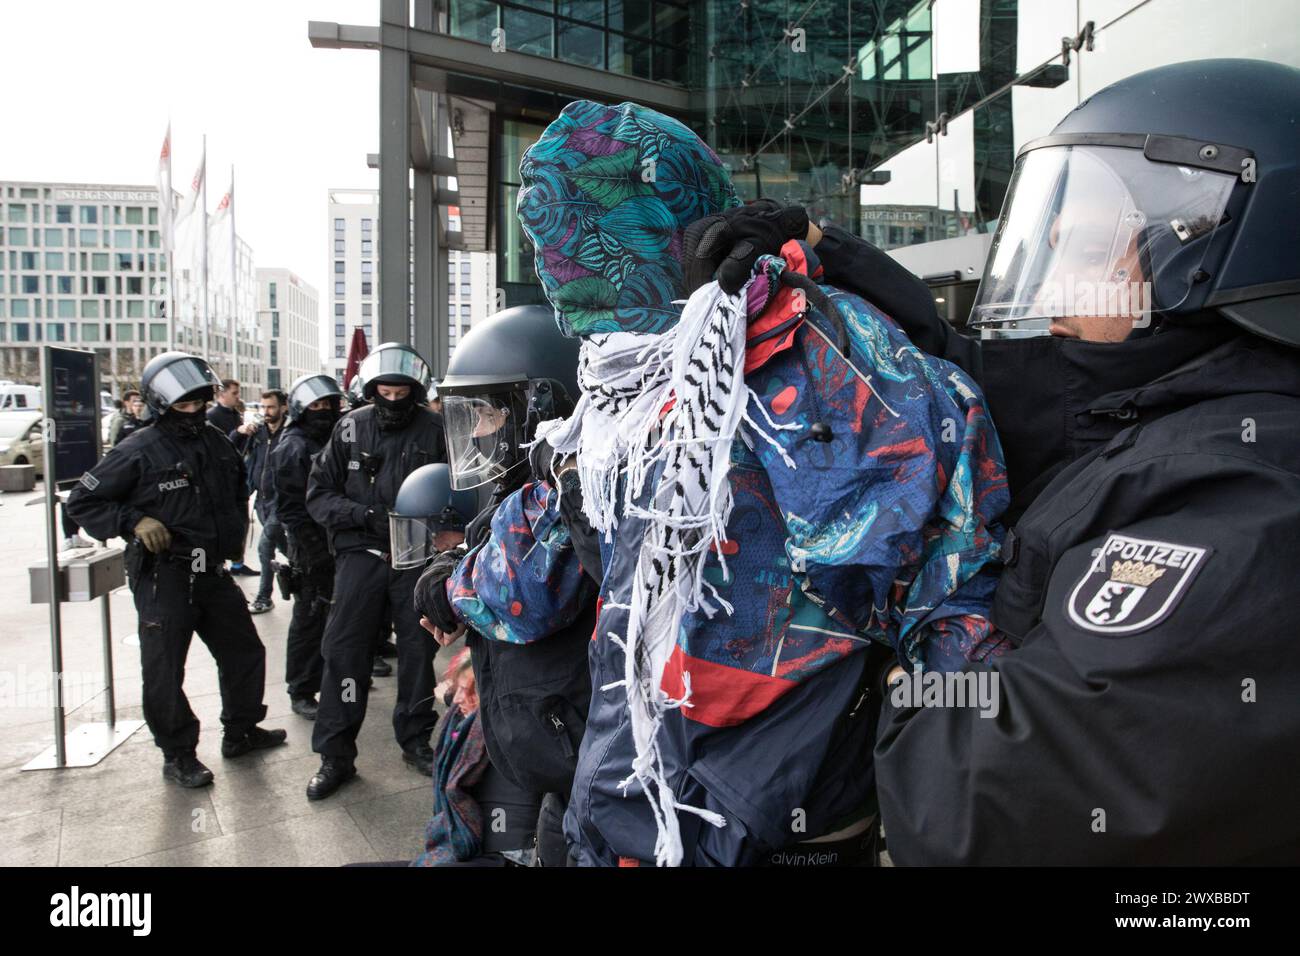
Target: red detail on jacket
[721, 696]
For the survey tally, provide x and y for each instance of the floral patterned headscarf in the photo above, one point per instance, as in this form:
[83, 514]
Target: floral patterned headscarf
[608, 192]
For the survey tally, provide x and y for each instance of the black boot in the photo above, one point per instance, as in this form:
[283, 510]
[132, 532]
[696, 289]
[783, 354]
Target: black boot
[381, 667]
[255, 739]
[333, 773]
[186, 770]
[305, 707]
[420, 759]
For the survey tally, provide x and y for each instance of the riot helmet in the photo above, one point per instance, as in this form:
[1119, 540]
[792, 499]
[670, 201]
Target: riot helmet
[426, 507]
[395, 364]
[311, 388]
[509, 373]
[1161, 196]
[173, 377]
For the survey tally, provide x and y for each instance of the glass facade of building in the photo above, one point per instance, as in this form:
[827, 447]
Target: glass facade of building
[897, 119]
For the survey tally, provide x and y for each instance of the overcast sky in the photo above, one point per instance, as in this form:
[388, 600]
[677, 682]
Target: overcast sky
[90, 86]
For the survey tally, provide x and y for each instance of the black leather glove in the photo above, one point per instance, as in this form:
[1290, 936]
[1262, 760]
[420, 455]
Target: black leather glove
[539, 460]
[431, 591]
[727, 245]
[377, 523]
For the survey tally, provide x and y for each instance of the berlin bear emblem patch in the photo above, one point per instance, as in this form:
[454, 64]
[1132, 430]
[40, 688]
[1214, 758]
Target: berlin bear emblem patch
[1133, 584]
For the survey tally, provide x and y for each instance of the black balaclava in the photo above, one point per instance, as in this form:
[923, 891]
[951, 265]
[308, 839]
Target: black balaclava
[393, 415]
[187, 424]
[319, 424]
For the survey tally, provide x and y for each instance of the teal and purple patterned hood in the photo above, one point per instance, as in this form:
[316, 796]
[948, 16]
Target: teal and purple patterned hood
[608, 192]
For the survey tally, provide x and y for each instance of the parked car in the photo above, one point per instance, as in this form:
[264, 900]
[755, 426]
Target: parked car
[21, 439]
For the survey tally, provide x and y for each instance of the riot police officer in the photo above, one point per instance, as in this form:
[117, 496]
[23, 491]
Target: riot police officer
[510, 373]
[313, 411]
[1141, 358]
[353, 484]
[178, 494]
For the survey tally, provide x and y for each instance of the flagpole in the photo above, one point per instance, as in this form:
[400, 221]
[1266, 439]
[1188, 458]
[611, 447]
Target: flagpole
[203, 203]
[234, 281]
[165, 208]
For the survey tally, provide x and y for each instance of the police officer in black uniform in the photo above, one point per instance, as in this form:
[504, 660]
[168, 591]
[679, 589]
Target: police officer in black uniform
[314, 402]
[178, 494]
[518, 362]
[1147, 713]
[353, 484]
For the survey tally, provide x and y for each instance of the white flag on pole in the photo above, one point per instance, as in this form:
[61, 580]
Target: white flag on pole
[220, 245]
[165, 190]
[196, 187]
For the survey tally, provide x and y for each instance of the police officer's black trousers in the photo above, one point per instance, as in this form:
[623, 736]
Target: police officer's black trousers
[174, 604]
[303, 663]
[364, 585]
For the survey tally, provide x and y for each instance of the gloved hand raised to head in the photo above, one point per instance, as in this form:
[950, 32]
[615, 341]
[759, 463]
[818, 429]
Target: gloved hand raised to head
[153, 534]
[726, 246]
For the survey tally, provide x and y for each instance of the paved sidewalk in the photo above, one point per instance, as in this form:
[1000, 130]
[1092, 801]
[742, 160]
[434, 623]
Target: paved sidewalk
[121, 811]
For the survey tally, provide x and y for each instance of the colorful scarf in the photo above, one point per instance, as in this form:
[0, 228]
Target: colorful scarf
[455, 831]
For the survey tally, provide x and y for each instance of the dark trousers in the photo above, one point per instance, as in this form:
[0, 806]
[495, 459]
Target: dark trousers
[272, 537]
[173, 605]
[364, 587]
[303, 663]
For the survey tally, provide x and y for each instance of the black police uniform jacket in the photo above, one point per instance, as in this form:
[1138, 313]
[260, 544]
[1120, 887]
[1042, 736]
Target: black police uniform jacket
[289, 467]
[1149, 713]
[195, 486]
[361, 468]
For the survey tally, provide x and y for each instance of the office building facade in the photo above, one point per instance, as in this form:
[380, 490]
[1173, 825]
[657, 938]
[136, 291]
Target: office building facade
[82, 265]
[288, 316]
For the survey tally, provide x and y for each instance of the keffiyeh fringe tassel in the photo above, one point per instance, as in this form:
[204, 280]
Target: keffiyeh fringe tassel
[620, 428]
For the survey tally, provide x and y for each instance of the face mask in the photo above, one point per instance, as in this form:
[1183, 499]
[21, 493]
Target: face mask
[184, 424]
[394, 414]
[320, 423]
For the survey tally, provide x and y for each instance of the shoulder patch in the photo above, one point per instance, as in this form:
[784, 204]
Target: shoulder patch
[1133, 584]
[89, 481]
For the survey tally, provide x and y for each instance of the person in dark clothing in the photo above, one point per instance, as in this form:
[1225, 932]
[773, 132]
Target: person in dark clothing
[313, 410]
[225, 414]
[178, 494]
[257, 452]
[534, 696]
[127, 419]
[354, 481]
[1154, 473]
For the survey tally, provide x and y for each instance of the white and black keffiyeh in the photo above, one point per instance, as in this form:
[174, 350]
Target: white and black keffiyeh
[675, 463]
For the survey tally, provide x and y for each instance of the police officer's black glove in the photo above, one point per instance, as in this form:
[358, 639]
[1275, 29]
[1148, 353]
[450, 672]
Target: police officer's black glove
[727, 245]
[431, 591]
[377, 523]
[539, 460]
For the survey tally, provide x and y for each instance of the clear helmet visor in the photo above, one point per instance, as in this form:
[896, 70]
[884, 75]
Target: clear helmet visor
[413, 540]
[1096, 231]
[484, 433]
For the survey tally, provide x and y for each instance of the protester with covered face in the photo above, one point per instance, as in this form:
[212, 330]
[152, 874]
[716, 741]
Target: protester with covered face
[776, 496]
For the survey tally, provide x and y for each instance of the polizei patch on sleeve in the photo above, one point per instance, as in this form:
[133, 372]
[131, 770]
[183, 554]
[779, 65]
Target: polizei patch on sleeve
[1133, 584]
